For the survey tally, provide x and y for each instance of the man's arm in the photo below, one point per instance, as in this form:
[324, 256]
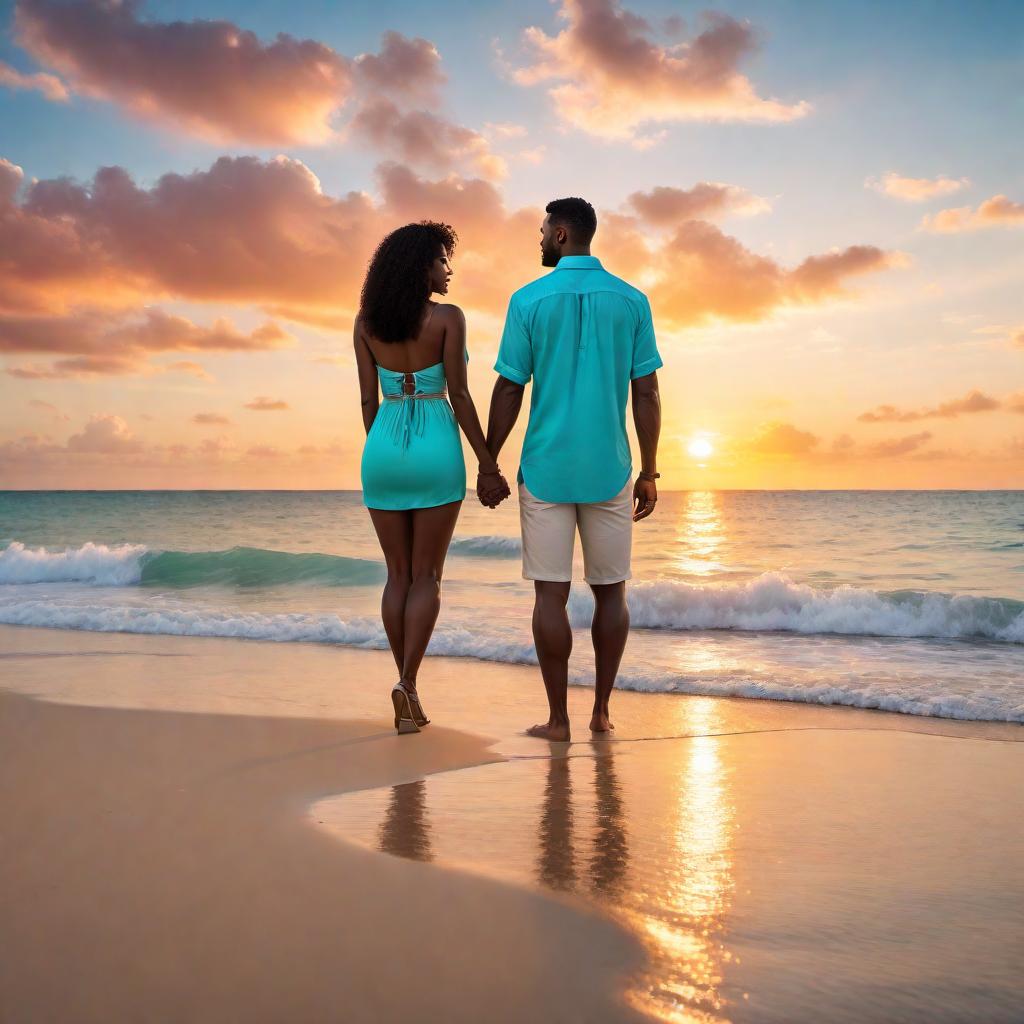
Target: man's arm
[506, 401]
[647, 420]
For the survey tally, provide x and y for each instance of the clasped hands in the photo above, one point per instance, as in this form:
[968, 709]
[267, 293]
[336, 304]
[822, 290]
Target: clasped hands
[492, 488]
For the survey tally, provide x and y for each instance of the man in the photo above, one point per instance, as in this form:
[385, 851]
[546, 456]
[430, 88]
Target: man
[585, 337]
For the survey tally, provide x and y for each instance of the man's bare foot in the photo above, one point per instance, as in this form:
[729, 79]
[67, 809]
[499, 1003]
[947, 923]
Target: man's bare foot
[601, 722]
[553, 733]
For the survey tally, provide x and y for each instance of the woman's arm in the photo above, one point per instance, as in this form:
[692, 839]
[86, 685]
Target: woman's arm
[454, 357]
[367, 367]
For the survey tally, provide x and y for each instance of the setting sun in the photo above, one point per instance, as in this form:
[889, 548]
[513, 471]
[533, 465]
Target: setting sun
[700, 447]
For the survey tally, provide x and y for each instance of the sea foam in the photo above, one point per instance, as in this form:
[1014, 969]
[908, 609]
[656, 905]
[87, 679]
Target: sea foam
[136, 564]
[915, 694]
[774, 602]
[487, 546]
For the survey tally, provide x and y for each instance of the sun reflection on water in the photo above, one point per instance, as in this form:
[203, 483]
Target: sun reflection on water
[700, 535]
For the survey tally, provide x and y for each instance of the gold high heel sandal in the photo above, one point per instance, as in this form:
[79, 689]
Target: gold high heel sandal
[418, 714]
[405, 721]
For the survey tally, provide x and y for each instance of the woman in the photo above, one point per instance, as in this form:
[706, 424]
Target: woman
[413, 471]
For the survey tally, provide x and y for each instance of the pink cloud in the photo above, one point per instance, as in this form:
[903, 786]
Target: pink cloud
[104, 433]
[207, 77]
[422, 138]
[666, 206]
[614, 78]
[96, 341]
[49, 85]
[410, 68]
[264, 232]
[219, 82]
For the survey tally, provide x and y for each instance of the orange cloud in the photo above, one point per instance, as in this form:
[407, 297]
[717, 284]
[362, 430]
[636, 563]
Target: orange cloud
[205, 419]
[706, 274]
[781, 439]
[916, 190]
[96, 341]
[615, 78]
[209, 78]
[666, 206]
[245, 231]
[261, 403]
[49, 85]
[973, 401]
[217, 81]
[784, 440]
[189, 367]
[999, 211]
[263, 232]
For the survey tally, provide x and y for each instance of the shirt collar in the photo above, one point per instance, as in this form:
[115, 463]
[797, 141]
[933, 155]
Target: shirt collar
[578, 263]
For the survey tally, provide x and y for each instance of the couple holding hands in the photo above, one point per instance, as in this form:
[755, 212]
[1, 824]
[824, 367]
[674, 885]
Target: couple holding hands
[586, 340]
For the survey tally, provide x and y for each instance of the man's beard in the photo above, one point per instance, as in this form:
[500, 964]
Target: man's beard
[548, 257]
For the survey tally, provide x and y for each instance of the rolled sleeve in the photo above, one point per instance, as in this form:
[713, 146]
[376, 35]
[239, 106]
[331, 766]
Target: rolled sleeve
[515, 353]
[646, 358]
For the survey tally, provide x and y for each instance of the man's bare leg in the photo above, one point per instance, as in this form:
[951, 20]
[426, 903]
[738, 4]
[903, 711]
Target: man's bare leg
[609, 630]
[552, 636]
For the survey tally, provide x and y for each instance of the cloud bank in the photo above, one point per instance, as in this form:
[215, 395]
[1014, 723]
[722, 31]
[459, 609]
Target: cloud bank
[613, 78]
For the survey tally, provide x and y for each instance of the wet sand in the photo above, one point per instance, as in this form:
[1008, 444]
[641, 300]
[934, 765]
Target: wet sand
[222, 829]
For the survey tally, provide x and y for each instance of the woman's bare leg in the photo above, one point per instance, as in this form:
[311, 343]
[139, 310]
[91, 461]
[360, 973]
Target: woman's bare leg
[432, 530]
[394, 531]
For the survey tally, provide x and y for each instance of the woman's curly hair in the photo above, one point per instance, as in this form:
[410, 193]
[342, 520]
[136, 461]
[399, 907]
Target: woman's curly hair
[397, 283]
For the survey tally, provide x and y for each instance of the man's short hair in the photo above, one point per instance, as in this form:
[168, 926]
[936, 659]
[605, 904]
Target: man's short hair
[576, 216]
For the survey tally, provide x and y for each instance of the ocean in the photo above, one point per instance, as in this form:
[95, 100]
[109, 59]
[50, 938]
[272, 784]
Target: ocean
[907, 601]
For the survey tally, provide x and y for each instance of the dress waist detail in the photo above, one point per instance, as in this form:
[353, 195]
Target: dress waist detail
[411, 415]
[402, 398]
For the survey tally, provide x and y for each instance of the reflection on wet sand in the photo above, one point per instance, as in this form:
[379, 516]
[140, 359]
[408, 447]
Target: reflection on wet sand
[405, 831]
[556, 857]
[669, 880]
[685, 923]
[610, 858]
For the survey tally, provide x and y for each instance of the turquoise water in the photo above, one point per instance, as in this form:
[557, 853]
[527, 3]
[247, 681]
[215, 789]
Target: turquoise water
[909, 601]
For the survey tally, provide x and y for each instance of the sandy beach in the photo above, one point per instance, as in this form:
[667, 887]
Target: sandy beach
[209, 829]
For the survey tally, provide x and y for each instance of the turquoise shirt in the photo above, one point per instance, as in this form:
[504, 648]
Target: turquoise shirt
[582, 334]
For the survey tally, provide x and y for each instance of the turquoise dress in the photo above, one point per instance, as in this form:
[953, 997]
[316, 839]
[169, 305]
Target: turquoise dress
[413, 453]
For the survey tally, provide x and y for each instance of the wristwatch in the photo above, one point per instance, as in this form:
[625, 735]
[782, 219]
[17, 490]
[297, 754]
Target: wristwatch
[648, 476]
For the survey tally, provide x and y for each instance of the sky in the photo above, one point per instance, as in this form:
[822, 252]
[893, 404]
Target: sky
[824, 203]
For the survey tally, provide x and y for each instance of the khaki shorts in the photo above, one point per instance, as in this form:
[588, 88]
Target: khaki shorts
[549, 533]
